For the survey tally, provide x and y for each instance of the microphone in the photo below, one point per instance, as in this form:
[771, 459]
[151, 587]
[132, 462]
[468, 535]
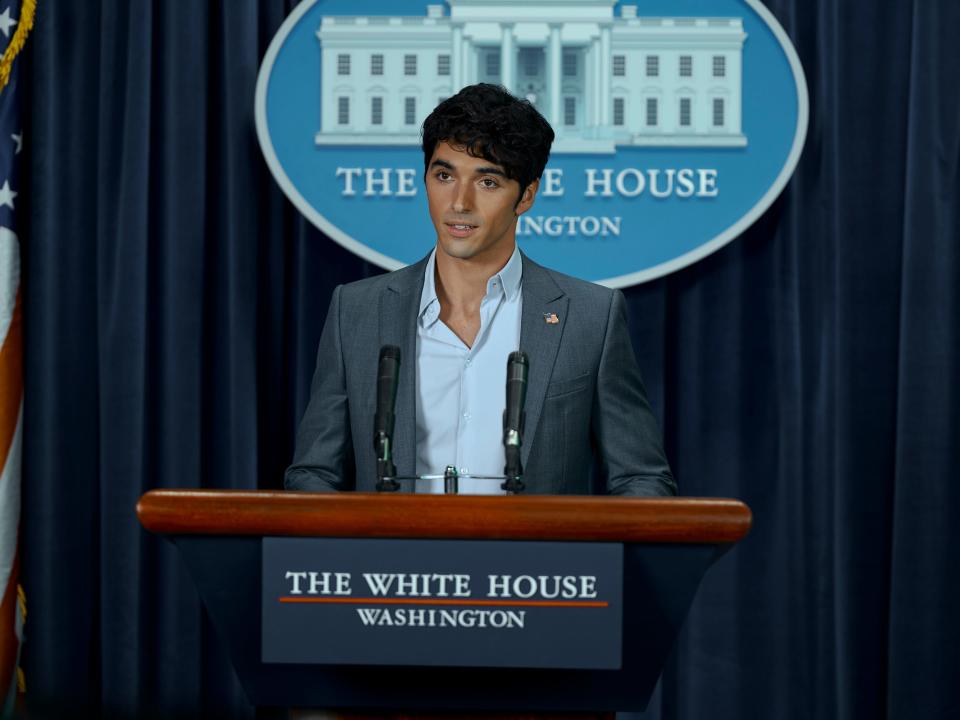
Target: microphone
[513, 420]
[388, 375]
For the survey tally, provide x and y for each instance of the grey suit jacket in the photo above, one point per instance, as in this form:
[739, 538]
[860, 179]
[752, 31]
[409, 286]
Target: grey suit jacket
[586, 406]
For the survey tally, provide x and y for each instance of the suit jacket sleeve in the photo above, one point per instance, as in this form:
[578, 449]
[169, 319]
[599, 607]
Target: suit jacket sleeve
[623, 425]
[323, 456]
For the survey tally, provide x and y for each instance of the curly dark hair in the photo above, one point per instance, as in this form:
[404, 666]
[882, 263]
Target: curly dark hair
[493, 124]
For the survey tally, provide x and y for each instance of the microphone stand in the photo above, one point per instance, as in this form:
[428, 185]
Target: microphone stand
[451, 479]
[388, 371]
[513, 470]
[386, 470]
[513, 421]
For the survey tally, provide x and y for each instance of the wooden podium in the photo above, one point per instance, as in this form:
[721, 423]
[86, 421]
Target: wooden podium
[668, 544]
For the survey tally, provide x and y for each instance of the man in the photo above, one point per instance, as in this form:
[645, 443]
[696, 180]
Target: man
[457, 314]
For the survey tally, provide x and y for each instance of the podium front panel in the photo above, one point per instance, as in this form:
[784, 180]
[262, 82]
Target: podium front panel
[659, 583]
[446, 603]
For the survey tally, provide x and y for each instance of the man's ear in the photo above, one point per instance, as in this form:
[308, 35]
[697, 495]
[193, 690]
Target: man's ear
[526, 198]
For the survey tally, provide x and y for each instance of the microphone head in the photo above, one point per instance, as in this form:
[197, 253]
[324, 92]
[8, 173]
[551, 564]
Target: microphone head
[517, 366]
[518, 356]
[391, 352]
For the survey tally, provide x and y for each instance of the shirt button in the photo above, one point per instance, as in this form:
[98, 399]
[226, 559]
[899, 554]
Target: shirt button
[469, 362]
[466, 416]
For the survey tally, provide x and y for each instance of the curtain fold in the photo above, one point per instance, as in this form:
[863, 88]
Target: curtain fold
[174, 300]
[922, 627]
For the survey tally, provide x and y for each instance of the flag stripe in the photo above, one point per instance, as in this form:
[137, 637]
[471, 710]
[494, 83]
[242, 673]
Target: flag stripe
[11, 380]
[9, 643]
[10, 505]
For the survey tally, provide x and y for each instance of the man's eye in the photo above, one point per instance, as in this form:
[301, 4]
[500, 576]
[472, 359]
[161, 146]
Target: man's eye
[489, 183]
[443, 176]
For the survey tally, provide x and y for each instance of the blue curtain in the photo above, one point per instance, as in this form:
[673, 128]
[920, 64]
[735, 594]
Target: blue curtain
[174, 300]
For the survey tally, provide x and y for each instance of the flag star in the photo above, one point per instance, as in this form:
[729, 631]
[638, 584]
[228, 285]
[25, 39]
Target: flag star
[6, 22]
[18, 139]
[7, 195]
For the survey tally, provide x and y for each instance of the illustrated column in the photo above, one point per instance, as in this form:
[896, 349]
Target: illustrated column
[507, 55]
[553, 75]
[466, 66]
[605, 75]
[456, 61]
[595, 82]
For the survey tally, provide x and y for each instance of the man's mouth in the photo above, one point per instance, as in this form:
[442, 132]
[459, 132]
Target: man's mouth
[460, 229]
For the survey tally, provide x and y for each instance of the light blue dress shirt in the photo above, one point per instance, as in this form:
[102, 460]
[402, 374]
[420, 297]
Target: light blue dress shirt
[461, 390]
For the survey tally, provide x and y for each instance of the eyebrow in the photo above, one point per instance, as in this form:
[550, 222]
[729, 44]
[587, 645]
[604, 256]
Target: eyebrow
[483, 170]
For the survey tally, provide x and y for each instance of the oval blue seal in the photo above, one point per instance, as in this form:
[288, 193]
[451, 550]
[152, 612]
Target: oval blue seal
[676, 126]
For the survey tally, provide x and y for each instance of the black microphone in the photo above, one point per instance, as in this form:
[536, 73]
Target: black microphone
[388, 375]
[513, 420]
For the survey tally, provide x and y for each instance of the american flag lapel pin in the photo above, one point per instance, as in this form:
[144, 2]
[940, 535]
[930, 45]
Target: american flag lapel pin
[551, 318]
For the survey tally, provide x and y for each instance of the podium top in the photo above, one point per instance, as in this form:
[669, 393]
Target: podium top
[465, 517]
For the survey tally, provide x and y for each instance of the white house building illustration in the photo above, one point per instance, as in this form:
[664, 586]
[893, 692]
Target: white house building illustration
[601, 79]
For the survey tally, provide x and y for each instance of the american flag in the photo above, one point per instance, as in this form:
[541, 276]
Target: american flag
[16, 20]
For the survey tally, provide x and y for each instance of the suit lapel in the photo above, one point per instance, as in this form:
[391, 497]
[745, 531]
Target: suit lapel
[399, 304]
[539, 339]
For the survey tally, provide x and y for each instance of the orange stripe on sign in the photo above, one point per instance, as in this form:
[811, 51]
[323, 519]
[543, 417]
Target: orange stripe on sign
[11, 380]
[433, 601]
[8, 623]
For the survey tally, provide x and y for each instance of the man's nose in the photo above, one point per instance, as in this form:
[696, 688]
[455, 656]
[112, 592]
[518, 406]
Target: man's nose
[463, 199]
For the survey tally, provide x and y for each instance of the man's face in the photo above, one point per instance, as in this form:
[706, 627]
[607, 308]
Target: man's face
[473, 204]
